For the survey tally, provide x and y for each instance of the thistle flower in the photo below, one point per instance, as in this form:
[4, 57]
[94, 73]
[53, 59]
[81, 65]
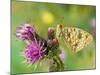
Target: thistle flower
[93, 22]
[26, 31]
[35, 51]
[38, 48]
[93, 25]
[62, 55]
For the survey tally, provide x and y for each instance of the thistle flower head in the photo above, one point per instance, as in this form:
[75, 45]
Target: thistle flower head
[35, 51]
[25, 31]
[62, 55]
[93, 22]
[93, 25]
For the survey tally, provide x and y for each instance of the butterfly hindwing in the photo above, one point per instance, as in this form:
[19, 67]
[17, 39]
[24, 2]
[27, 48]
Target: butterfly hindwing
[76, 38]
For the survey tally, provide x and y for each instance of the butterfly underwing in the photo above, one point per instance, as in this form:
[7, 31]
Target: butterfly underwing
[76, 38]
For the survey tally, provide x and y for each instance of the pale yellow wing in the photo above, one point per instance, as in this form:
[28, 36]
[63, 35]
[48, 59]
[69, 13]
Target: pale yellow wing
[76, 38]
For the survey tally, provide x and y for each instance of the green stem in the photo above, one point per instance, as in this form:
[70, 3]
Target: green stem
[57, 65]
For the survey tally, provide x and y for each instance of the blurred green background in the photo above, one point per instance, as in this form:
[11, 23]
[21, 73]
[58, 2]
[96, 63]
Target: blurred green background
[44, 15]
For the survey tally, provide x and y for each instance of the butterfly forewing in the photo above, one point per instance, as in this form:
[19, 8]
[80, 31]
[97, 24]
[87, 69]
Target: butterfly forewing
[76, 38]
[59, 32]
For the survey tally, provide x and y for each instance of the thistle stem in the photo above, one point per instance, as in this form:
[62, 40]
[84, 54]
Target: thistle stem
[57, 64]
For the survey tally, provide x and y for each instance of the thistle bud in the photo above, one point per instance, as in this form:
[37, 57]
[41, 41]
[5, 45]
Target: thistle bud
[51, 33]
[53, 43]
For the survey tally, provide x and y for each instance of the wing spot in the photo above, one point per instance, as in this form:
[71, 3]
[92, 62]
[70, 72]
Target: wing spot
[76, 45]
[68, 34]
[80, 36]
[86, 36]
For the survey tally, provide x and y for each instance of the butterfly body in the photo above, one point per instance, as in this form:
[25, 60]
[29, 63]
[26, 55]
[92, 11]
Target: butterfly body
[75, 37]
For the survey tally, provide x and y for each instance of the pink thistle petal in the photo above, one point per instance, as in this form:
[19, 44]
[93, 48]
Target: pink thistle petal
[34, 52]
[25, 31]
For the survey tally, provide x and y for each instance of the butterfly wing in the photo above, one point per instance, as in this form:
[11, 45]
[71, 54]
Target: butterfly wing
[59, 32]
[76, 38]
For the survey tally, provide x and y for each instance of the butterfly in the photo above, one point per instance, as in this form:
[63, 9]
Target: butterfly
[76, 38]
